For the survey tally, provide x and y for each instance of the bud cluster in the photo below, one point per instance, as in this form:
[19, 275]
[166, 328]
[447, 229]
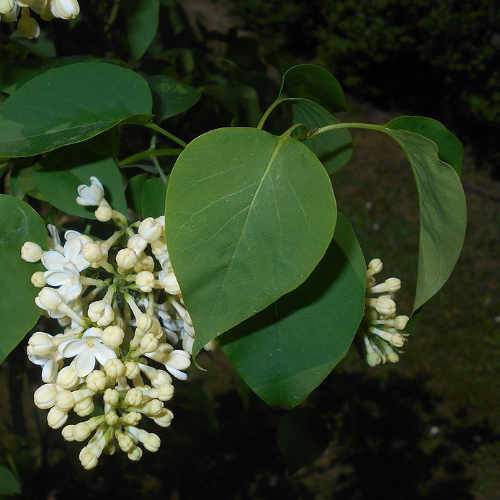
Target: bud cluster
[20, 11]
[121, 317]
[383, 335]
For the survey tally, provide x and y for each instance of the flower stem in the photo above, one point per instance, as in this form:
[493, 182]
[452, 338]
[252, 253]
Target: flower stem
[335, 126]
[165, 133]
[269, 110]
[149, 153]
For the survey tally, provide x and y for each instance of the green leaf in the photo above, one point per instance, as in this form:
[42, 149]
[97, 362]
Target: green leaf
[18, 223]
[9, 485]
[286, 351]
[148, 195]
[249, 215]
[58, 175]
[315, 83]
[142, 25]
[334, 148]
[69, 104]
[443, 213]
[450, 148]
[172, 97]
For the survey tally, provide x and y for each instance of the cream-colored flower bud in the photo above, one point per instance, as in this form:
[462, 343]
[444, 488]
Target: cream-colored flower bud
[114, 368]
[126, 259]
[144, 322]
[67, 378]
[383, 305]
[131, 418]
[169, 282]
[11, 15]
[112, 418]
[56, 418]
[159, 248]
[65, 400]
[6, 6]
[148, 343]
[48, 299]
[88, 458]
[400, 322]
[163, 393]
[101, 312]
[28, 26]
[150, 229]
[96, 381]
[164, 419]
[390, 285]
[38, 279]
[111, 397]
[31, 252]
[131, 369]
[65, 9]
[135, 454]
[133, 397]
[68, 433]
[45, 396]
[145, 263]
[375, 266]
[84, 408]
[82, 431]
[92, 252]
[153, 408]
[40, 344]
[161, 377]
[125, 442]
[104, 212]
[113, 336]
[145, 280]
[137, 243]
[151, 442]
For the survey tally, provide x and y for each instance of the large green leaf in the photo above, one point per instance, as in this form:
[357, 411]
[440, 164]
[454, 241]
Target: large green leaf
[443, 213]
[58, 175]
[70, 104]
[147, 195]
[142, 25]
[450, 148]
[249, 216]
[287, 350]
[172, 97]
[18, 223]
[9, 485]
[334, 148]
[315, 83]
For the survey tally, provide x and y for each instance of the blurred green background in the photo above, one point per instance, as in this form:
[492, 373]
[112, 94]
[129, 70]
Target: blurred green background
[426, 428]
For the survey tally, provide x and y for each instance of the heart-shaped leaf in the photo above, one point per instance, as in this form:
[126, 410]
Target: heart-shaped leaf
[18, 223]
[142, 25]
[315, 83]
[249, 216]
[287, 350]
[450, 148]
[70, 104]
[334, 148]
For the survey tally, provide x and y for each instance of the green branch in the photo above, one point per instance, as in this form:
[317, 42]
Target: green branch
[149, 153]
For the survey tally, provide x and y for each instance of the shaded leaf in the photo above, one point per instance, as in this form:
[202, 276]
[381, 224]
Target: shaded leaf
[172, 97]
[142, 25]
[249, 217]
[70, 104]
[18, 223]
[147, 195]
[286, 351]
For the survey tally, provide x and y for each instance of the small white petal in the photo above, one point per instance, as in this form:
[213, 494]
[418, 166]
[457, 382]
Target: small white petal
[49, 371]
[71, 348]
[103, 353]
[176, 373]
[53, 261]
[70, 292]
[179, 359]
[84, 363]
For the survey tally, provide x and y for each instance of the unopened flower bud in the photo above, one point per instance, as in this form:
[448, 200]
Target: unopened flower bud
[151, 442]
[88, 458]
[65, 400]
[375, 266]
[144, 322]
[390, 285]
[84, 407]
[38, 279]
[133, 397]
[111, 418]
[113, 336]
[67, 378]
[96, 381]
[56, 418]
[82, 431]
[169, 282]
[148, 343]
[31, 252]
[164, 419]
[104, 212]
[68, 433]
[126, 259]
[6, 6]
[111, 397]
[40, 344]
[153, 408]
[45, 396]
[383, 305]
[150, 229]
[48, 299]
[101, 312]
[145, 263]
[131, 369]
[137, 243]
[125, 442]
[64, 9]
[114, 368]
[145, 281]
[131, 418]
[135, 454]
[92, 252]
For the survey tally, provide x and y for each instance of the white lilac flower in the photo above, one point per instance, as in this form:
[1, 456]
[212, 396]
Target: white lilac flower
[177, 362]
[90, 196]
[86, 351]
[71, 253]
[67, 281]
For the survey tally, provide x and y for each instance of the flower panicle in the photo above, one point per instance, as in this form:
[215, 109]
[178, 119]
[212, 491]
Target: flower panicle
[124, 334]
[383, 331]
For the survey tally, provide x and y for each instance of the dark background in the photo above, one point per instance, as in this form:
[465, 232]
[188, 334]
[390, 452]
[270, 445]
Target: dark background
[425, 428]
